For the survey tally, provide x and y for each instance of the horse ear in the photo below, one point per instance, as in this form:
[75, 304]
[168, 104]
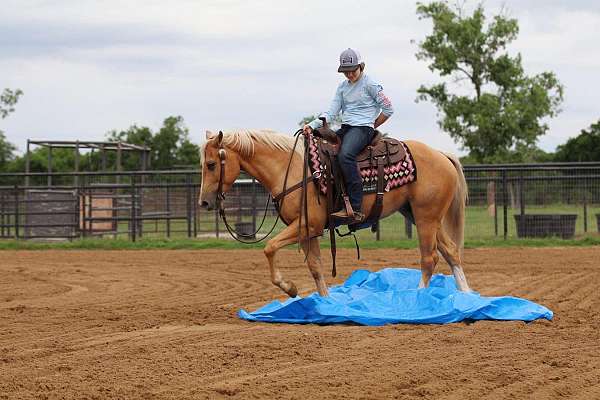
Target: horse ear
[209, 135]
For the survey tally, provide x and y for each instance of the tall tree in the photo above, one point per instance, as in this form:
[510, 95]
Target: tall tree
[167, 141]
[170, 147]
[188, 154]
[584, 147]
[8, 99]
[131, 161]
[7, 151]
[487, 103]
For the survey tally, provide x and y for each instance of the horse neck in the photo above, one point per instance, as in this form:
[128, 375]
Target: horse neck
[269, 166]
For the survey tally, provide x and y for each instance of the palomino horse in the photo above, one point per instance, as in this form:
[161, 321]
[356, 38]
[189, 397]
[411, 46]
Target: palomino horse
[437, 199]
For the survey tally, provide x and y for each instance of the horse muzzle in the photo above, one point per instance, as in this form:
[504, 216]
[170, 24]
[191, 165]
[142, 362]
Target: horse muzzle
[206, 206]
[208, 202]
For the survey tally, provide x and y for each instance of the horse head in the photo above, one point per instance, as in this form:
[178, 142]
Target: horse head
[220, 168]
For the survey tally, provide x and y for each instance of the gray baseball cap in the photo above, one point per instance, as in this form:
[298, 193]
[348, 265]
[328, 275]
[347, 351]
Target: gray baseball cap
[350, 60]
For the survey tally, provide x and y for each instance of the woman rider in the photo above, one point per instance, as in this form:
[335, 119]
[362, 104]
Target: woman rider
[364, 107]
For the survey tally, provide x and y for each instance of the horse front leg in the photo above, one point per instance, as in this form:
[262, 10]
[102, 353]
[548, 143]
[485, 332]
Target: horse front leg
[313, 259]
[287, 236]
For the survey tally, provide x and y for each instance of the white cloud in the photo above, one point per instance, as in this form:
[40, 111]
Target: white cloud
[87, 67]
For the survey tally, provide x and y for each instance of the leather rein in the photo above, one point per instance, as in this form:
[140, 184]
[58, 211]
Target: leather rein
[277, 200]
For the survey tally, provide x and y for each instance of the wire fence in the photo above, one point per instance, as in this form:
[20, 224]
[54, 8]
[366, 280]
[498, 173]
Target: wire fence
[505, 201]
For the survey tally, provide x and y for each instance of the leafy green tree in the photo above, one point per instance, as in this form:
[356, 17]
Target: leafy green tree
[167, 141]
[170, 146]
[8, 99]
[493, 108]
[134, 135]
[38, 161]
[188, 154]
[584, 147]
[7, 151]
[131, 160]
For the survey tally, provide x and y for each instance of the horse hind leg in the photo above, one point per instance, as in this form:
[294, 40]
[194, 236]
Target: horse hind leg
[427, 245]
[449, 250]
[313, 259]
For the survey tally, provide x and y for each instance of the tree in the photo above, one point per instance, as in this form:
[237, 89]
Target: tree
[500, 116]
[169, 147]
[130, 161]
[134, 135]
[7, 151]
[584, 147]
[8, 99]
[188, 154]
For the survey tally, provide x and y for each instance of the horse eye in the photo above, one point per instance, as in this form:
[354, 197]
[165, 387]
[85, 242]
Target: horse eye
[211, 165]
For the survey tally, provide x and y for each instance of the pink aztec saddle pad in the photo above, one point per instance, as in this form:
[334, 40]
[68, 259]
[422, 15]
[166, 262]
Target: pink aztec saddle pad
[396, 175]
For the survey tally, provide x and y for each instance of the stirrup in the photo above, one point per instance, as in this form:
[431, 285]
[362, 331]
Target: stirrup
[343, 217]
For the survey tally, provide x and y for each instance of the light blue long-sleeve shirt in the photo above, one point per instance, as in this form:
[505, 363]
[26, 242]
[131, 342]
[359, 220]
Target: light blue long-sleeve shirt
[360, 103]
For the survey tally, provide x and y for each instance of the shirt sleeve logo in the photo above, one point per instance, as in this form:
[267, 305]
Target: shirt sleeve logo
[383, 99]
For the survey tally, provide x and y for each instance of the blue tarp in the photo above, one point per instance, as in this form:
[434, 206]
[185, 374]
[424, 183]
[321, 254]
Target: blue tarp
[391, 296]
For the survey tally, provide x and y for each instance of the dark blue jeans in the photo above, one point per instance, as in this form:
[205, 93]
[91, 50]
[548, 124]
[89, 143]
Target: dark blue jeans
[354, 139]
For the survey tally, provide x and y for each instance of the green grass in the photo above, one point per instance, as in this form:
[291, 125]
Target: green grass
[478, 224]
[199, 244]
[479, 232]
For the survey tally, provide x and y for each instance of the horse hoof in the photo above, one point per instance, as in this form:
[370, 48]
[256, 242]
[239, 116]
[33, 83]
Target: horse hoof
[292, 291]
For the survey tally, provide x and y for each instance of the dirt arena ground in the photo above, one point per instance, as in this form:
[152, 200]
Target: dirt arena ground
[163, 324]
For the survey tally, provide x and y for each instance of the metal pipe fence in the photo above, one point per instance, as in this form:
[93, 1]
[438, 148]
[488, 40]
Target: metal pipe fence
[505, 201]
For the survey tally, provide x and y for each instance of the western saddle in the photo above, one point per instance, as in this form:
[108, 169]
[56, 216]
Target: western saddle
[320, 167]
[380, 153]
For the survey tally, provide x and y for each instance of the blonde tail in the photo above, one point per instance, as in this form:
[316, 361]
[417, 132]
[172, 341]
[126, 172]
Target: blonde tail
[454, 220]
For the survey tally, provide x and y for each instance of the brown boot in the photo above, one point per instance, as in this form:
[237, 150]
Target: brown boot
[343, 216]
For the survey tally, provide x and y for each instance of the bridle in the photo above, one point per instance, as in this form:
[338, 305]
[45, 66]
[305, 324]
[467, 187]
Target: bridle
[277, 200]
[220, 201]
[220, 198]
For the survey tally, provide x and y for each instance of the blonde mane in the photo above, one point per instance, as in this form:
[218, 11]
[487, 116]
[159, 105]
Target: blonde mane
[242, 141]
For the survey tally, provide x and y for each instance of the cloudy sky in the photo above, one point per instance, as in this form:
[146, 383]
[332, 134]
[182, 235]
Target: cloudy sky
[88, 67]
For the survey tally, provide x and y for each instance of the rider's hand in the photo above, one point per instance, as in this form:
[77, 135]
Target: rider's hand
[307, 129]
